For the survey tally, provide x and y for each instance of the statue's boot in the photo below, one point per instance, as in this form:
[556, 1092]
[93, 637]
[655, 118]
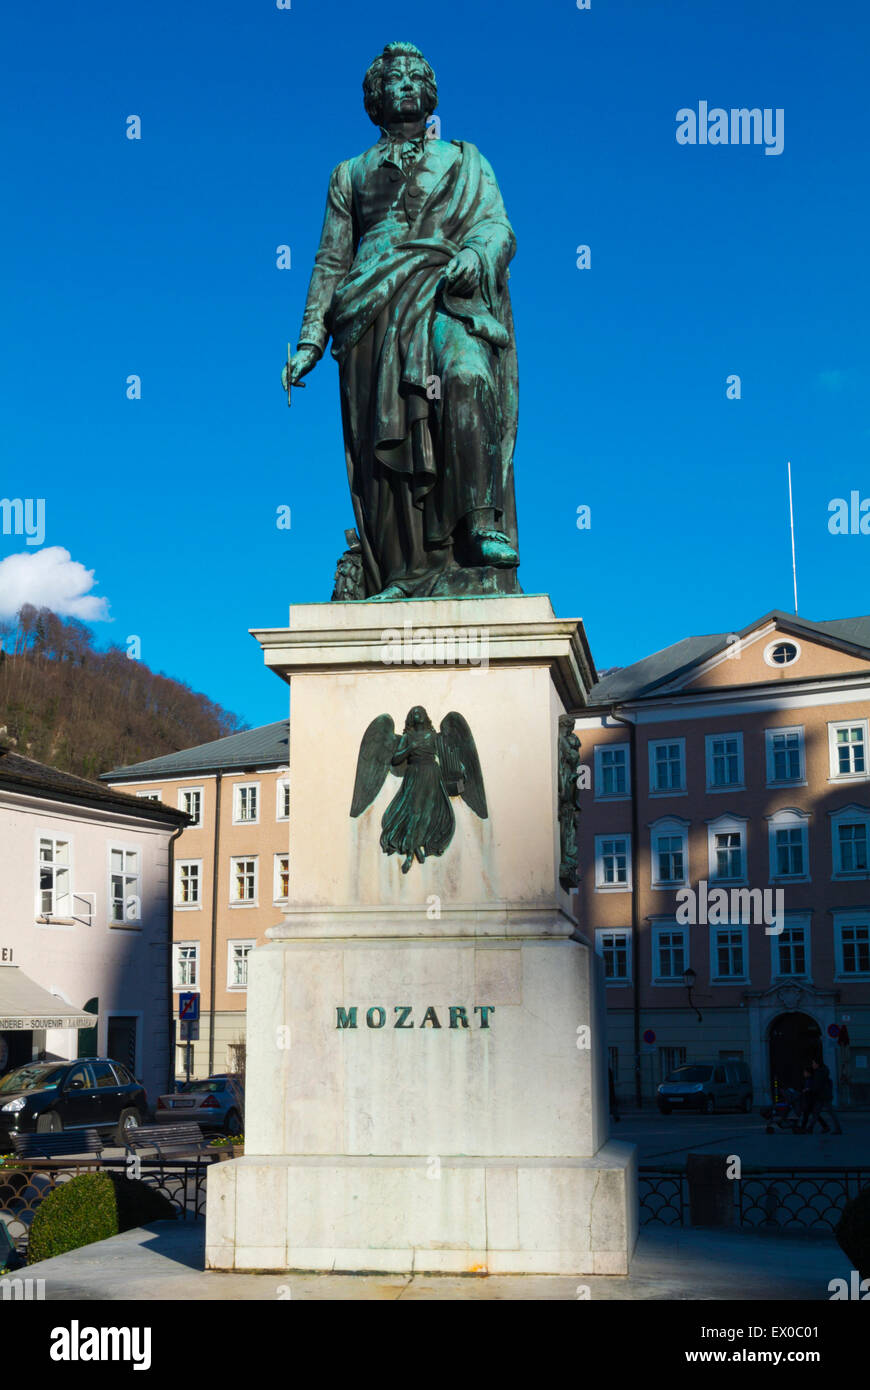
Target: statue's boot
[489, 547]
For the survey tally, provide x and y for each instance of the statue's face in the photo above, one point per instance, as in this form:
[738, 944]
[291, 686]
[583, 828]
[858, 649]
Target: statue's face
[404, 96]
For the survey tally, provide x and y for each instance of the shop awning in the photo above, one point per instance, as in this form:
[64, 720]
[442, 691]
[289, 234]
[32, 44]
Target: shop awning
[24, 1005]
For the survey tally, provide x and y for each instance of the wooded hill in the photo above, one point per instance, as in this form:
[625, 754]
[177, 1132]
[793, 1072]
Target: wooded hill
[86, 711]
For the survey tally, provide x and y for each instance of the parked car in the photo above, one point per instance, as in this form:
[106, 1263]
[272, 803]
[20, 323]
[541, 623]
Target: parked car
[216, 1103]
[88, 1093]
[707, 1086]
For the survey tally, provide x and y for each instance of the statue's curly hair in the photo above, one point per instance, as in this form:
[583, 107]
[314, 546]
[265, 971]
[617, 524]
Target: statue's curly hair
[373, 82]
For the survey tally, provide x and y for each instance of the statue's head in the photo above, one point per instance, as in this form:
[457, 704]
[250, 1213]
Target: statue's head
[400, 86]
[417, 719]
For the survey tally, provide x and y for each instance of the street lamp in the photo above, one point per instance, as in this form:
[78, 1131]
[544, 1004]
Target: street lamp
[689, 978]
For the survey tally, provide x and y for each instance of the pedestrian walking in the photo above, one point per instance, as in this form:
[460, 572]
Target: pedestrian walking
[805, 1102]
[823, 1099]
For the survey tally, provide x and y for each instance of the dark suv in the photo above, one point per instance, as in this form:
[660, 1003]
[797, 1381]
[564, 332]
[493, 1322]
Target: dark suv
[89, 1093]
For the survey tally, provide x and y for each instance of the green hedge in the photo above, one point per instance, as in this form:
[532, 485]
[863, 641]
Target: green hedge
[853, 1232]
[92, 1207]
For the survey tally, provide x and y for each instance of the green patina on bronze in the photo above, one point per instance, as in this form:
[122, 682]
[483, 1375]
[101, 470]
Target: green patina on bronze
[434, 766]
[411, 284]
[569, 802]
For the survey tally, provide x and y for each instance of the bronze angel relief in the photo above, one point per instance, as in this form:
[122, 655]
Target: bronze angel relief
[433, 766]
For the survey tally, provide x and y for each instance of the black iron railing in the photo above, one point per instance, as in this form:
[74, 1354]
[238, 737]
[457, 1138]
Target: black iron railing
[24, 1187]
[664, 1197]
[809, 1198]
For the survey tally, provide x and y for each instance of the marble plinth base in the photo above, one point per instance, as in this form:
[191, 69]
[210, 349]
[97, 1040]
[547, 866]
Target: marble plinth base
[426, 1076]
[411, 1215]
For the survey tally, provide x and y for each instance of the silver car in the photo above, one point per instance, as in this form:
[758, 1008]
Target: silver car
[706, 1086]
[216, 1103]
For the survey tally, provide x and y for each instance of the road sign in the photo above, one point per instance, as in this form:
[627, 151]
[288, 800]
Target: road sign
[188, 1008]
[833, 1030]
[649, 1037]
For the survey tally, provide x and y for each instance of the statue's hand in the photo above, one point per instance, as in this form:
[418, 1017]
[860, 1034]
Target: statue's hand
[301, 364]
[463, 273]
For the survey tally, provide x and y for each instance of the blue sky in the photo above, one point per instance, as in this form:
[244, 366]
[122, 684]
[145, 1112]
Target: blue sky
[158, 257]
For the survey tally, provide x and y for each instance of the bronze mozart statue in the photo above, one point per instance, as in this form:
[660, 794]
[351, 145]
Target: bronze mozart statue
[411, 285]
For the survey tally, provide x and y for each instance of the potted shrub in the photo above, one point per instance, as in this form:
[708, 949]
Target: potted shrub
[93, 1206]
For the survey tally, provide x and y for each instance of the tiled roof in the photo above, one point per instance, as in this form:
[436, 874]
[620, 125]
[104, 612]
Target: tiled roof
[270, 744]
[643, 676]
[24, 774]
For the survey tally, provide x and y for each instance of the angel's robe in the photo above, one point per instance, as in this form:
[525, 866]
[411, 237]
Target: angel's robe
[428, 379]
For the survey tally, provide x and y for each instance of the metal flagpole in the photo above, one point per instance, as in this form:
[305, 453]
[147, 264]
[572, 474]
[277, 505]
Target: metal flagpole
[791, 520]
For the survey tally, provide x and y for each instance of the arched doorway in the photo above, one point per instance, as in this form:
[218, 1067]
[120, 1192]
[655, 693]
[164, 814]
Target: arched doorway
[794, 1039]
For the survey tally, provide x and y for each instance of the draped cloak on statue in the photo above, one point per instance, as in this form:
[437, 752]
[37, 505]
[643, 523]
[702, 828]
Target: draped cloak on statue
[428, 379]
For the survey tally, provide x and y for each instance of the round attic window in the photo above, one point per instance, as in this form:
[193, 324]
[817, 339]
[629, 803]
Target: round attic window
[782, 653]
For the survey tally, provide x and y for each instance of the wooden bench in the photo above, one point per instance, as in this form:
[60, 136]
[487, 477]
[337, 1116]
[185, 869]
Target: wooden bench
[59, 1143]
[181, 1152]
[168, 1141]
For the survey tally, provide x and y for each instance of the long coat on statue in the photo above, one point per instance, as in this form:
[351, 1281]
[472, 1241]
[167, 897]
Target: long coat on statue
[428, 379]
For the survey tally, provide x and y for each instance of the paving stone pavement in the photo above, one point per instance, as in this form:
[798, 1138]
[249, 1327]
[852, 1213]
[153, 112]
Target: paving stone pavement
[164, 1261]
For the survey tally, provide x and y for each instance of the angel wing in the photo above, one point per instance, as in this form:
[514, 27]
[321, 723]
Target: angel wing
[379, 743]
[460, 765]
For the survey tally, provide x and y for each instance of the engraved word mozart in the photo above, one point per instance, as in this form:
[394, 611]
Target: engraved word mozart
[376, 1017]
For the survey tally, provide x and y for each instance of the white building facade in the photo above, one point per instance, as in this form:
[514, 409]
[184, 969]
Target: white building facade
[85, 940]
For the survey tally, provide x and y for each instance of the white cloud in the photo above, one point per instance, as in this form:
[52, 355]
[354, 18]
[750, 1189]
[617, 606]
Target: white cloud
[50, 578]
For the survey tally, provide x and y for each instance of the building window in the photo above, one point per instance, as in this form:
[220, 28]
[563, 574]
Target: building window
[670, 853]
[848, 748]
[55, 882]
[246, 803]
[149, 796]
[614, 947]
[613, 862]
[237, 963]
[790, 950]
[789, 845]
[611, 770]
[852, 843]
[726, 844]
[728, 959]
[852, 941]
[785, 755]
[188, 883]
[185, 973]
[669, 1059]
[724, 761]
[125, 903]
[243, 880]
[282, 877]
[670, 954]
[781, 653]
[282, 800]
[667, 766]
[849, 835]
[190, 801]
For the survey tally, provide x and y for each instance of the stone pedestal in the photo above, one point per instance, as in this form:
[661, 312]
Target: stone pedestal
[426, 1061]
